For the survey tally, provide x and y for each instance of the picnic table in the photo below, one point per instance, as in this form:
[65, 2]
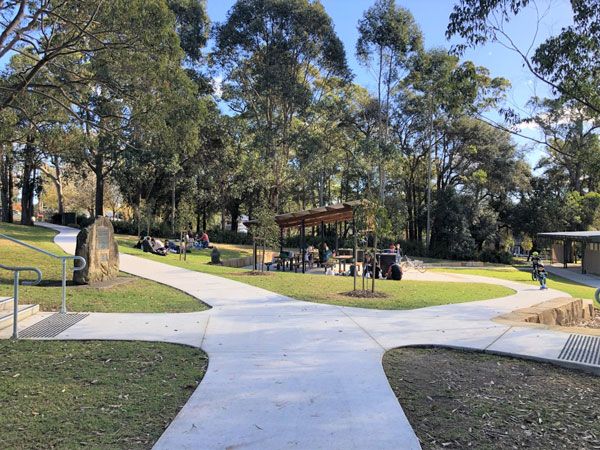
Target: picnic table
[342, 259]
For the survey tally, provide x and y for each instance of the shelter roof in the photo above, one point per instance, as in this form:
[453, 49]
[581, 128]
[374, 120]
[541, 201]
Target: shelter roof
[583, 236]
[326, 214]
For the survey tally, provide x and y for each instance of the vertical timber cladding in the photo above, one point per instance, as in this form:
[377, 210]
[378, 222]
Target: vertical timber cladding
[592, 258]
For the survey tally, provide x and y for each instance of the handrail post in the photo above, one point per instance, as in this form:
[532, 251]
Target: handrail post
[16, 306]
[63, 307]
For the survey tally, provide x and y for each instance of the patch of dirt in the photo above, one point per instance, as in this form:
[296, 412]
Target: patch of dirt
[256, 273]
[365, 294]
[456, 400]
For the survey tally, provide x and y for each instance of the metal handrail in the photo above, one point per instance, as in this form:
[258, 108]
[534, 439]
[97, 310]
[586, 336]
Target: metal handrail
[63, 259]
[17, 271]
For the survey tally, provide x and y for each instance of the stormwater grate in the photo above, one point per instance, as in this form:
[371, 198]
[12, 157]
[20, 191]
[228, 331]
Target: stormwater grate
[582, 349]
[52, 326]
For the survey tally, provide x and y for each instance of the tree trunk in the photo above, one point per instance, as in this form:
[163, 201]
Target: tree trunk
[173, 206]
[6, 184]
[99, 171]
[234, 211]
[28, 183]
[374, 262]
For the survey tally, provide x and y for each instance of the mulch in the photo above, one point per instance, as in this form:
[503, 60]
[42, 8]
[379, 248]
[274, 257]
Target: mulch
[456, 400]
[365, 294]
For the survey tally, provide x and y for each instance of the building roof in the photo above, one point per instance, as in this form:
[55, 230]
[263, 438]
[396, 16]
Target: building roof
[584, 236]
[326, 214]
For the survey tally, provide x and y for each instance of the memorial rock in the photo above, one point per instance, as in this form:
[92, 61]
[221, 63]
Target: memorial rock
[96, 243]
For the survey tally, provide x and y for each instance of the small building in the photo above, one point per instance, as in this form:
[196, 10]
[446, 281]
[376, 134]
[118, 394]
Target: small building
[563, 249]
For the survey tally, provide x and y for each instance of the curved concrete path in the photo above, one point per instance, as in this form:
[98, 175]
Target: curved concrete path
[289, 374]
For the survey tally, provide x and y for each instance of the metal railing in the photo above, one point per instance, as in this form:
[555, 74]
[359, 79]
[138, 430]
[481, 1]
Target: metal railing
[63, 260]
[17, 271]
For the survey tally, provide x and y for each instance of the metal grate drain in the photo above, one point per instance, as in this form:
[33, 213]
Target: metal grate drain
[582, 349]
[51, 326]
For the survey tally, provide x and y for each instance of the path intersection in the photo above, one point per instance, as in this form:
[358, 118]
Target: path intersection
[284, 373]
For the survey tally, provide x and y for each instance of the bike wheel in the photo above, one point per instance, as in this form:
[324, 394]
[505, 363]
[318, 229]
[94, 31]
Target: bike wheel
[421, 268]
[533, 276]
[597, 295]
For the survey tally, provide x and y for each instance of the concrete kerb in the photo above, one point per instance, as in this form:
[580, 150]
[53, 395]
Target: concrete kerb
[268, 355]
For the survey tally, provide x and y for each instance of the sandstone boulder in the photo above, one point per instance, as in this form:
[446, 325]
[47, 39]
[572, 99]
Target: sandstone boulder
[97, 244]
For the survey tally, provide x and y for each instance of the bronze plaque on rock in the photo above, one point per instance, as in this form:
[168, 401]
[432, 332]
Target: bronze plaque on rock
[102, 238]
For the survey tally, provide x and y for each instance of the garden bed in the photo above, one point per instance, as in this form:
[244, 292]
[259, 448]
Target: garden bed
[457, 400]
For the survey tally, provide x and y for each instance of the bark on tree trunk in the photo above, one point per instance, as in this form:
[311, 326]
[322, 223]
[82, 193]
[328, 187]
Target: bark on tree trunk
[28, 183]
[99, 171]
[6, 185]
[234, 210]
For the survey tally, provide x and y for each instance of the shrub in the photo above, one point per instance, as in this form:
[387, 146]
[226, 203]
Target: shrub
[230, 237]
[495, 256]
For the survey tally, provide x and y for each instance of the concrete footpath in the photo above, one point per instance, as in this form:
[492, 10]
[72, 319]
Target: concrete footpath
[290, 374]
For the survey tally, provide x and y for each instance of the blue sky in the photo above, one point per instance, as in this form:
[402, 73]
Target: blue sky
[432, 17]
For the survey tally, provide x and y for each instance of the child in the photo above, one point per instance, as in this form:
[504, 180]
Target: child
[542, 275]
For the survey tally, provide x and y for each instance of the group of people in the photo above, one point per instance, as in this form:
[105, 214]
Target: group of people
[199, 240]
[155, 246]
[394, 271]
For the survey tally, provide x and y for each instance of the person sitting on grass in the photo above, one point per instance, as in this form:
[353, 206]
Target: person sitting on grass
[171, 246]
[394, 272]
[204, 241]
[368, 271]
[158, 248]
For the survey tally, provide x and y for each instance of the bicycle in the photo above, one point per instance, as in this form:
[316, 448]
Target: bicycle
[534, 275]
[407, 263]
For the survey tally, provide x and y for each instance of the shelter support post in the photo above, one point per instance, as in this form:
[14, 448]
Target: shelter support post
[336, 238]
[565, 257]
[280, 239]
[354, 251]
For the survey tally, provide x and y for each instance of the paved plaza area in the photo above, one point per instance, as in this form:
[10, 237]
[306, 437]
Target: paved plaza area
[290, 374]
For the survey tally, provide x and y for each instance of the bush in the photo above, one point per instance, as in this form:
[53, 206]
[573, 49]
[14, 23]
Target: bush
[495, 256]
[84, 221]
[230, 237]
[56, 218]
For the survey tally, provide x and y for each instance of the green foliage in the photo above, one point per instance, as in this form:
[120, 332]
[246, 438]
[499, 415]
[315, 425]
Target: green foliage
[273, 53]
[266, 231]
[451, 237]
[568, 61]
[495, 256]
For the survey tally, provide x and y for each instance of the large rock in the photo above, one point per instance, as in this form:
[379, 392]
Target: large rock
[564, 311]
[97, 245]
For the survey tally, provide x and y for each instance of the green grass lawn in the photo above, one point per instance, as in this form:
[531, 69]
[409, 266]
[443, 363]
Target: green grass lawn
[523, 275]
[321, 289]
[56, 394]
[137, 295]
